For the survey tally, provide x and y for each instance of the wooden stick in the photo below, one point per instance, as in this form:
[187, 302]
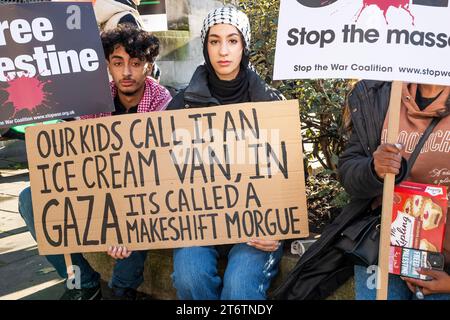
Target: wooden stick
[388, 195]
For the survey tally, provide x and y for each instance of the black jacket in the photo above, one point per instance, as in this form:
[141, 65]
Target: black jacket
[323, 268]
[368, 103]
[197, 93]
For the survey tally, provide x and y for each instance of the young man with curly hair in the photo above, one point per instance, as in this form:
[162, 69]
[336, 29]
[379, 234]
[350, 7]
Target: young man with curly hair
[130, 54]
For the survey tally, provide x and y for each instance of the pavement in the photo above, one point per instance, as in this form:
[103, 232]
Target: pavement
[24, 274]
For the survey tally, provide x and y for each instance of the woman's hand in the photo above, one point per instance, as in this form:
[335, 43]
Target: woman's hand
[118, 252]
[265, 245]
[387, 159]
[439, 284]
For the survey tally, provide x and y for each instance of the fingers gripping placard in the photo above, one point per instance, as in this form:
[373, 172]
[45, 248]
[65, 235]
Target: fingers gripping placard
[169, 179]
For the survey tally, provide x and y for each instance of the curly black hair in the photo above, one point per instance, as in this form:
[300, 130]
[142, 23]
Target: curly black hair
[137, 43]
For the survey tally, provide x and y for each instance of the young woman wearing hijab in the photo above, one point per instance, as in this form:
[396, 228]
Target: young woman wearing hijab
[225, 78]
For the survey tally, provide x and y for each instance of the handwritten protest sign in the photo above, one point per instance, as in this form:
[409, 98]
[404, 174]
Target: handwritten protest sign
[169, 179]
[404, 40]
[52, 64]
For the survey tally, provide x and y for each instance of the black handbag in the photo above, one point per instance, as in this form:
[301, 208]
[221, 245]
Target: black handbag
[360, 240]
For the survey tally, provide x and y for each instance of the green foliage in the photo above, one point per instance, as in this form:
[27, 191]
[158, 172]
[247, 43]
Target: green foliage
[324, 197]
[321, 107]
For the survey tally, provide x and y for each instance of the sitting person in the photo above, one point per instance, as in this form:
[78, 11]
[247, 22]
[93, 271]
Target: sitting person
[134, 92]
[111, 13]
[362, 169]
[225, 78]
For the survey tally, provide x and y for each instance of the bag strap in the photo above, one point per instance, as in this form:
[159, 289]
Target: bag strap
[421, 142]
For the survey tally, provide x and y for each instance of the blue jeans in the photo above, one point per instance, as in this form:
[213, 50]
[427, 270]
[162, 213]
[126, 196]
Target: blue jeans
[247, 276]
[128, 273]
[397, 288]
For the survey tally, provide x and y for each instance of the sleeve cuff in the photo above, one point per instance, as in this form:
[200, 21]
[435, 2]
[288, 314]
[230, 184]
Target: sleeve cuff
[398, 178]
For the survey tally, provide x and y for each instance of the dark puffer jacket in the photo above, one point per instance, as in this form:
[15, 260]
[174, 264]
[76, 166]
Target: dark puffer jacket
[197, 93]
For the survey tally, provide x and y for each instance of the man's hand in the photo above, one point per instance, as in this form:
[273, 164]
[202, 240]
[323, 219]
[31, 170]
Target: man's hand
[119, 252]
[265, 245]
[439, 284]
[387, 159]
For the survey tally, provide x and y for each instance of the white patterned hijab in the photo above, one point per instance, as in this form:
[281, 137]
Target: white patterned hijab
[228, 15]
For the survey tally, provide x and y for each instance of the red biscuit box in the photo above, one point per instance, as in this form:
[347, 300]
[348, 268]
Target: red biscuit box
[419, 215]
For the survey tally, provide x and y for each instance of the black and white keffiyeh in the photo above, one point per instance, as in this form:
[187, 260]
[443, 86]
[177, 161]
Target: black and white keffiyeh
[228, 15]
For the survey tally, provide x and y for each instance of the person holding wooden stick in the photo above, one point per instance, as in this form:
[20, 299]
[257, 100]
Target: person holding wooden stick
[367, 159]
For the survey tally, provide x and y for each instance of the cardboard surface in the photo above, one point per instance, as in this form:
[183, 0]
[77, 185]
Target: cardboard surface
[160, 180]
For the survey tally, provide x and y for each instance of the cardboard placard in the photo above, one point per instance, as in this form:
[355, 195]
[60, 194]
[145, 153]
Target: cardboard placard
[169, 179]
[52, 64]
[403, 40]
